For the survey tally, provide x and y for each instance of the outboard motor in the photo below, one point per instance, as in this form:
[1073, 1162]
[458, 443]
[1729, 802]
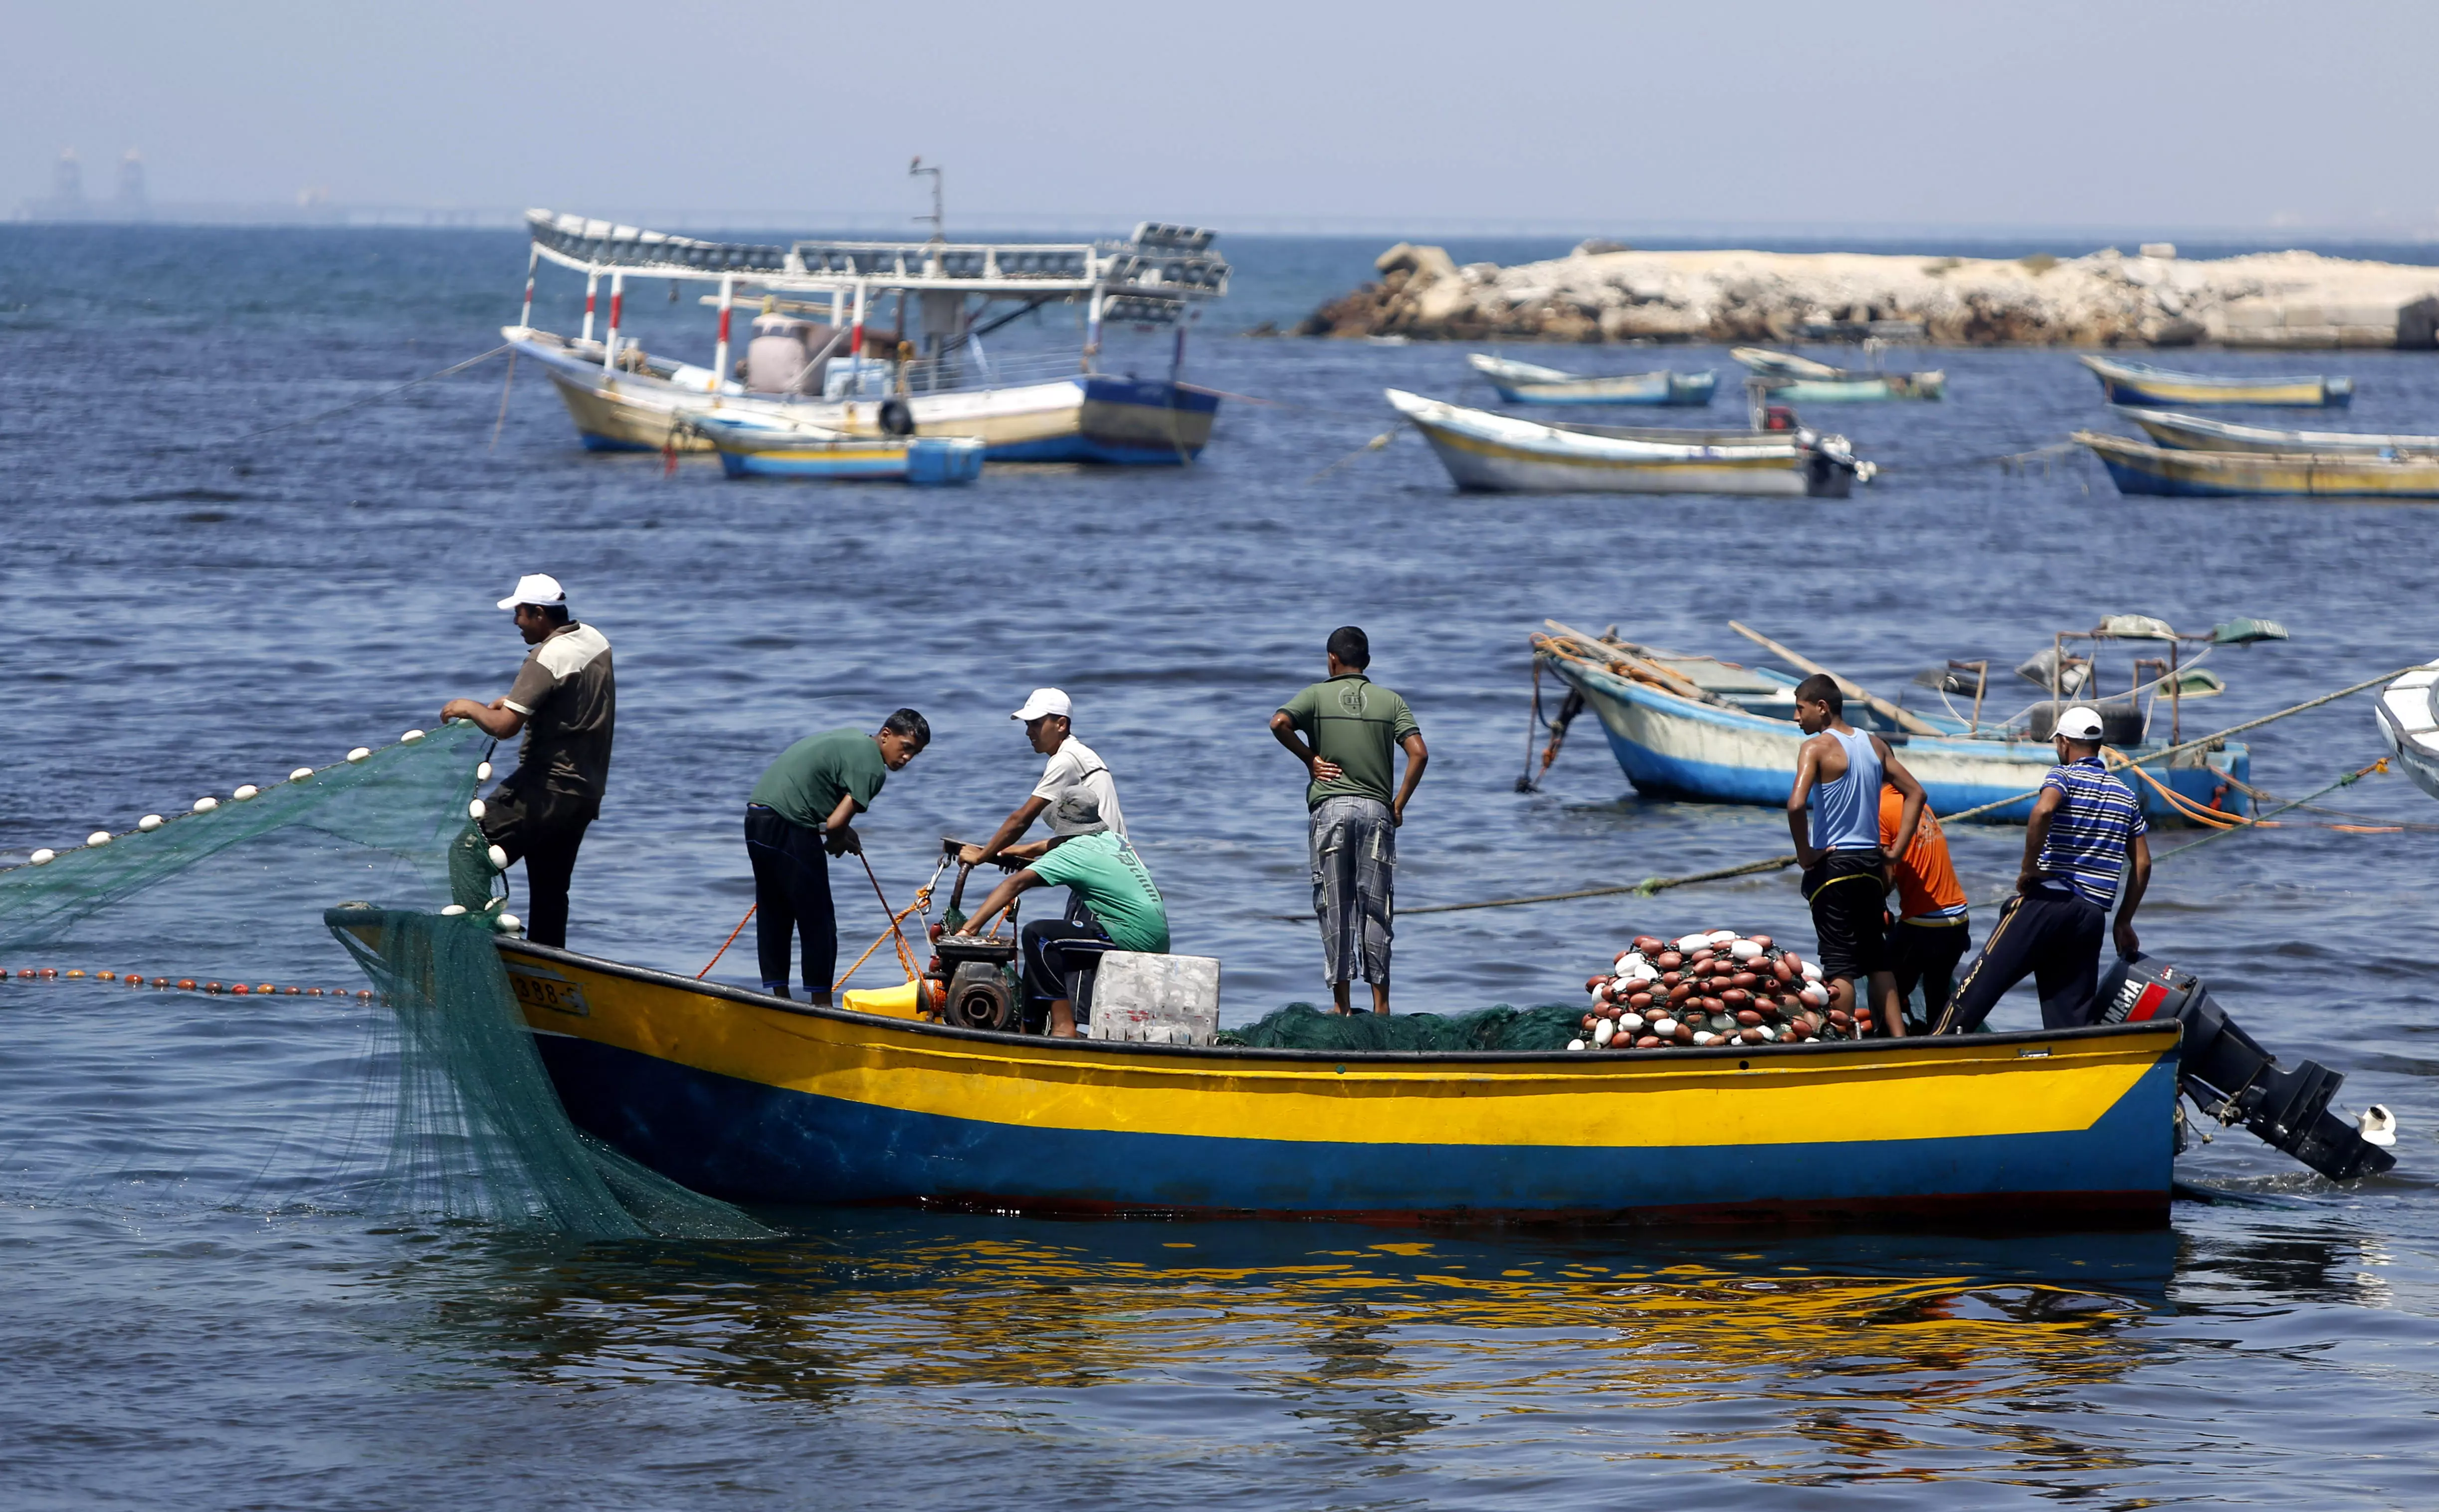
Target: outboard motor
[2233, 1080]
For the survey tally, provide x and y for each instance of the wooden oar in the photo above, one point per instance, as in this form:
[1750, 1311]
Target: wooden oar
[1852, 690]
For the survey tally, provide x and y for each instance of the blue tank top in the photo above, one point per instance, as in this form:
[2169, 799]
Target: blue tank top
[1846, 813]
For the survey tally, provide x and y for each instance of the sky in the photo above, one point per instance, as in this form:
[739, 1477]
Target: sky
[1255, 114]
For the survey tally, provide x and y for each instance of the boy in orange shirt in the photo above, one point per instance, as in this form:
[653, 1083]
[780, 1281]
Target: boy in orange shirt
[1931, 930]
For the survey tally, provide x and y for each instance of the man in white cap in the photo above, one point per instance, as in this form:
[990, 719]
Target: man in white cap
[1076, 788]
[566, 703]
[2085, 828]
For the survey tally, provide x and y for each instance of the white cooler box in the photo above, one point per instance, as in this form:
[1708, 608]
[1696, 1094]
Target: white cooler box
[1155, 999]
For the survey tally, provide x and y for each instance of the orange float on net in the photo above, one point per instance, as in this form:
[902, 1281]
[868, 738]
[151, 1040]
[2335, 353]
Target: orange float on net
[241, 989]
[75, 972]
[292, 992]
[186, 983]
[212, 986]
[266, 988]
[366, 993]
[49, 971]
[106, 976]
[310, 991]
[133, 980]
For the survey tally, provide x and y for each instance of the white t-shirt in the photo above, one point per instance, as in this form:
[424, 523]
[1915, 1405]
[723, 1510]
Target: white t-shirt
[1082, 795]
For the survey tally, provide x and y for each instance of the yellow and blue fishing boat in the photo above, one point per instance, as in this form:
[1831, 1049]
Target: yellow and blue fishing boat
[754, 446]
[2141, 383]
[2139, 469]
[760, 1099]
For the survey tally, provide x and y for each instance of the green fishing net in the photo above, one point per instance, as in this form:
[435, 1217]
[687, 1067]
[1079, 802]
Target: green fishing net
[475, 1129]
[1301, 1026]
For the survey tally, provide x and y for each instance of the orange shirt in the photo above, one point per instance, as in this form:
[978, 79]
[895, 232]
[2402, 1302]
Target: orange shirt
[1927, 885]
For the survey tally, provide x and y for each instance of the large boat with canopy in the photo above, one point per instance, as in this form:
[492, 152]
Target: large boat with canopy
[819, 356]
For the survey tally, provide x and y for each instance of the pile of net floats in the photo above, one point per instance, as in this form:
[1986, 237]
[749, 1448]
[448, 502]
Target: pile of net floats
[1719, 987]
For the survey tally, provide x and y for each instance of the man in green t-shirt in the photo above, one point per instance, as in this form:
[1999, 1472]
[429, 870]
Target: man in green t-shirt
[799, 810]
[1343, 731]
[1104, 871]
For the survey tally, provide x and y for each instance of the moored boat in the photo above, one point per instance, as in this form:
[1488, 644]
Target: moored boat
[1496, 452]
[2151, 470]
[2194, 433]
[1054, 408]
[760, 1099]
[1787, 378]
[2408, 721]
[759, 446]
[2124, 383]
[1528, 383]
[1722, 733]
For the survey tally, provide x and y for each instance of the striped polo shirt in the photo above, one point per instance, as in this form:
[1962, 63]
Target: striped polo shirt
[2089, 834]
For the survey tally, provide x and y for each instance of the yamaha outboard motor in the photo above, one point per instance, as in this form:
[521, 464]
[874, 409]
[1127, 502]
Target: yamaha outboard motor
[2233, 1080]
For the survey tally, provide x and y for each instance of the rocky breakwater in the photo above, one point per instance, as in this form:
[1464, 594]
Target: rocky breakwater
[1602, 294]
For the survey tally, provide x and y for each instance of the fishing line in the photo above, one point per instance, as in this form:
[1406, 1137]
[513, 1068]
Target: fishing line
[374, 399]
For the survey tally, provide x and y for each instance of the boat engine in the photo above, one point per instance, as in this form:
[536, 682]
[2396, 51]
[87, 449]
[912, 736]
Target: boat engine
[973, 979]
[2233, 1080]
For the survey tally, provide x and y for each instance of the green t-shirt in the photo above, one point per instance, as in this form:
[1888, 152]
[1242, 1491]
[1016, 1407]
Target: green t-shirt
[1116, 886]
[1357, 723]
[807, 782]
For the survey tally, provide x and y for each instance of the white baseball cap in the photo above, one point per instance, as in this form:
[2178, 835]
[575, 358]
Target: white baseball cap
[537, 588]
[2079, 723]
[1045, 701]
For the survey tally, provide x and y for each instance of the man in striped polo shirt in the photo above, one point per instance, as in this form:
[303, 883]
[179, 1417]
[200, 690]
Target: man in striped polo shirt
[2085, 827]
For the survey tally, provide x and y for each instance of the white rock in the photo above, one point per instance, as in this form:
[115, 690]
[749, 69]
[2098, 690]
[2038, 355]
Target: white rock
[150, 823]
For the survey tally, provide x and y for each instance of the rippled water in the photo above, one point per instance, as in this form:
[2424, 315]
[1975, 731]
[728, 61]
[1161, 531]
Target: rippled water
[203, 1308]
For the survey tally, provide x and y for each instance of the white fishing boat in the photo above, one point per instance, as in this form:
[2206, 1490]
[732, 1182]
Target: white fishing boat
[1800, 380]
[1498, 453]
[818, 356]
[2192, 433]
[2408, 721]
[1530, 383]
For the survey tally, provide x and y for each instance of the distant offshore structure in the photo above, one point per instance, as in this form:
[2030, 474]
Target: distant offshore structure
[1605, 292]
[132, 202]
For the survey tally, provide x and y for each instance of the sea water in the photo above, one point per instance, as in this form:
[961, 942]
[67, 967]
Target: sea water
[198, 1311]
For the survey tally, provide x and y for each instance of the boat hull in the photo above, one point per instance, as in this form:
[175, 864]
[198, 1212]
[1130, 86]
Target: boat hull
[1672, 747]
[747, 1097]
[2192, 433]
[1089, 417]
[2408, 721]
[1856, 390]
[920, 460]
[1492, 453]
[2132, 383]
[1668, 390]
[2153, 471]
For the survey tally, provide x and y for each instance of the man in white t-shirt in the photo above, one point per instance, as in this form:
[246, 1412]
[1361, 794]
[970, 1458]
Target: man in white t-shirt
[1075, 790]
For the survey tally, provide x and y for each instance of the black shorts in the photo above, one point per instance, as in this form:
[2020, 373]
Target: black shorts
[1845, 890]
[1927, 954]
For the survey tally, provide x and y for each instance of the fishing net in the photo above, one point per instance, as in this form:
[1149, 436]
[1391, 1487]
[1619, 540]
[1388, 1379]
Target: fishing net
[1301, 1026]
[475, 1129]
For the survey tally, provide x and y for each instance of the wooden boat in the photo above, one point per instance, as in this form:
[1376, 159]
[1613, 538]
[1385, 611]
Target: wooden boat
[2408, 721]
[1043, 409]
[1787, 378]
[1721, 733]
[2192, 433]
[759, 446]
[2124, 383]
[1525, 383]
[1498, 453]
[2139, 469]
[760, 1099]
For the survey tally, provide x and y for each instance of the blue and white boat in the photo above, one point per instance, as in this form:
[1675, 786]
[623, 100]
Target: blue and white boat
[761, 446]
[1695, 727]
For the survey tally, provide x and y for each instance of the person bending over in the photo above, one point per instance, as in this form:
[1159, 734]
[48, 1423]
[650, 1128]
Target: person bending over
[795, 817]
[1111, 880]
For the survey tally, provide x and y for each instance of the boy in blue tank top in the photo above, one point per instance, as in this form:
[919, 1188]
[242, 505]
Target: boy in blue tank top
[1837, 777]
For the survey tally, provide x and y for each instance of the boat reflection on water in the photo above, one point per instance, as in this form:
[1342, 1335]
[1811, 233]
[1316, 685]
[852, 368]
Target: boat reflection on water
[1787, 1352]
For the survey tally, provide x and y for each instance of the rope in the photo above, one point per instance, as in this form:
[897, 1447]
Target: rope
[1377, 443]
[905, 955]
[505, 385]
[2346, 781]
[725, 944]
[374, 399]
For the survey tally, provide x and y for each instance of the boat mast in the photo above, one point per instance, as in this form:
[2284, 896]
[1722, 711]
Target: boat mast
[720, 352]
[617, 302]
